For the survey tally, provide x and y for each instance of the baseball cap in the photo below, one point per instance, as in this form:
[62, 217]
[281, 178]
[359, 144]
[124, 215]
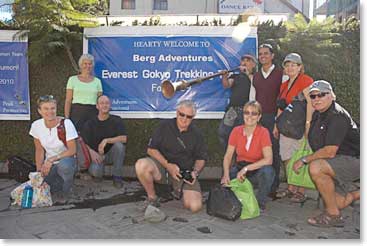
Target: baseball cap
[321, 86]
[248, 56]
[293, 57]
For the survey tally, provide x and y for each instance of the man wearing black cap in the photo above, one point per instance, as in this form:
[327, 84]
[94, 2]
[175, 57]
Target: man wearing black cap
[240, 84]
[335, 164]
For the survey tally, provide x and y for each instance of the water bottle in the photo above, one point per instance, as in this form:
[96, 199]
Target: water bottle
[27, 197]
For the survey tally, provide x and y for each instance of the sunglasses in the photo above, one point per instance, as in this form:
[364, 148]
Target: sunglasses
[253, 113]
[45, 98]
[320, 95]
[185, 115]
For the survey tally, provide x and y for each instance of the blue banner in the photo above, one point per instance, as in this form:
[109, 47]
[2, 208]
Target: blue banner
[14, 81]
[132, 68]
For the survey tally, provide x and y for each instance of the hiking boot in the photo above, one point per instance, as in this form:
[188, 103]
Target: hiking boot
[117, 182]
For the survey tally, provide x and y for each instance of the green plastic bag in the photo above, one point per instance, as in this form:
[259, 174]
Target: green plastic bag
[303, 178]
[245, 194]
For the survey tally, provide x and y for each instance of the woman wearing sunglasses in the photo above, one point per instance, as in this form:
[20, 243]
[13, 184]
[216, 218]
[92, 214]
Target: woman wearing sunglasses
[54, 160]
[252, 145]
[298, 83]
[82, 91]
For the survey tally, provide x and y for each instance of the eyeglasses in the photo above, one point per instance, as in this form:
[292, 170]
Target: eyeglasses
[185, 115]
[320, 95]
[252, 113]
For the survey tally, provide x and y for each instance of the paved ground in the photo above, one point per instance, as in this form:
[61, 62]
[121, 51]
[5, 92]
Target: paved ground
[102, 211]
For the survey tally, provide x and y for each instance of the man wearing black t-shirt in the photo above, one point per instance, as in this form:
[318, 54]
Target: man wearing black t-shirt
[177, 146]
[335, 139]
[105, 136]
[240, 84]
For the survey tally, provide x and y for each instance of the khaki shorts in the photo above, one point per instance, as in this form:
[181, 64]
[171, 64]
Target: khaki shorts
[347, 171]
[167, 179]
[288, 146]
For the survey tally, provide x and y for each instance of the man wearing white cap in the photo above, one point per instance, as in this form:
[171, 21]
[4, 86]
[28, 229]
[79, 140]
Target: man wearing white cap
[334, 165]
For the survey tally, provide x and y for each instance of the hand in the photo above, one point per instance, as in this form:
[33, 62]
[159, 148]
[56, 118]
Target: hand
[96, 157]
[241, 175]
[225, 180]
[46, 167]
[276, 132]
[307, 129]
[194, 177]
[297, 166]
[243, 69]
[101, 146]
[174, 171]
[223, 72]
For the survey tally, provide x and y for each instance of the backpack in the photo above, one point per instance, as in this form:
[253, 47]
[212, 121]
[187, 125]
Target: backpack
[82, 153]
[291, 122]
[19, 168]
[223, 203]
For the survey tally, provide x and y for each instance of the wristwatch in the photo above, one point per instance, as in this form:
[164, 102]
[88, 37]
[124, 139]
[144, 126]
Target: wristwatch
[304, 161]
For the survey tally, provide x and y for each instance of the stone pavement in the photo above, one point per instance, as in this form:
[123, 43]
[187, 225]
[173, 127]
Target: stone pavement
[101, 211]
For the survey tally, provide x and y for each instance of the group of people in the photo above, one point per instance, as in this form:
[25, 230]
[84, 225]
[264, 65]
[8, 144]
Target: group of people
[177, 152]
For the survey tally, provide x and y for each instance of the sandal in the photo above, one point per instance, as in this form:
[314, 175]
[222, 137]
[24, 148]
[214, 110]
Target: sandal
[284, 193]
[298, 197]
[326, 220]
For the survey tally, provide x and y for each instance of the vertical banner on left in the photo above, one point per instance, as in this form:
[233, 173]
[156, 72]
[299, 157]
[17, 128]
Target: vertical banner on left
[14, 79]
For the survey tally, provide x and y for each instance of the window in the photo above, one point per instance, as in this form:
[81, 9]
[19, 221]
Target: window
[160, 5]
[128, 4]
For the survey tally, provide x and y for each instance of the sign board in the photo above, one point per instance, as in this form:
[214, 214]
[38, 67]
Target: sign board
[14, 80]
[133, 61]
[239, 6]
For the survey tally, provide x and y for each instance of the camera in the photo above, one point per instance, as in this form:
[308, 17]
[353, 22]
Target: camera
[281, 103]
[186, 175]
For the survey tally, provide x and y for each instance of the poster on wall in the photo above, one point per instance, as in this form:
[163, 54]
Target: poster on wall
[14, 80]
[133, 61]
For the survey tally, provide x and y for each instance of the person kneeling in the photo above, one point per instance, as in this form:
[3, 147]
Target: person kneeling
[254, 154]
[177, 146]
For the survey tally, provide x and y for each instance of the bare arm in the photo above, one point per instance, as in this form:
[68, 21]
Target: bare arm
[309, 110]
[104, 142]
[68, 100]
[226, 82]
[39, 153]
[265, 161]
[70, 151]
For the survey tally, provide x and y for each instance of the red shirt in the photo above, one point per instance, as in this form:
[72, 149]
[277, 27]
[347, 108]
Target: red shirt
[260, 139]
[303, 81]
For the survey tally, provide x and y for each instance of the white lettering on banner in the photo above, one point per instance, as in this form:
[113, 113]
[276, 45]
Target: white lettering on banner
[189, 58]
[7, 81]
[106, 74]
[16, 53]
[156, 88]
[119, 102]
[192, 74]
[9, 68]
[12, 110]
[147, 74]
[139, 58]
[8, 103]
[181, 44]
[147, 44]
[4, 54]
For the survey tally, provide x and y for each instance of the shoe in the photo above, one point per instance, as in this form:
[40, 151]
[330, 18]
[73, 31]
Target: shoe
[155, 202]
[262, 208]
[117, 181]
[59, 198]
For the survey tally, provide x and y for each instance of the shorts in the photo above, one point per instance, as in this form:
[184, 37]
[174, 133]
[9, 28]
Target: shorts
[167, 179]
[347, 171]
[288, 146]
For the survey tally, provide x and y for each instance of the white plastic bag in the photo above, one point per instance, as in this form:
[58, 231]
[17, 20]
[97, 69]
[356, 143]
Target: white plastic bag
[41, 191]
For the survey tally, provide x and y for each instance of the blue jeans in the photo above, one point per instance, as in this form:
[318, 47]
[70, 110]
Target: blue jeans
[61, 176]
[261, 178]
[116, 155]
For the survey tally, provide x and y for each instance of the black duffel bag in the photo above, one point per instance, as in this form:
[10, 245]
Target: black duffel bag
[223, 203]
[291, 122]
[19, 168]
